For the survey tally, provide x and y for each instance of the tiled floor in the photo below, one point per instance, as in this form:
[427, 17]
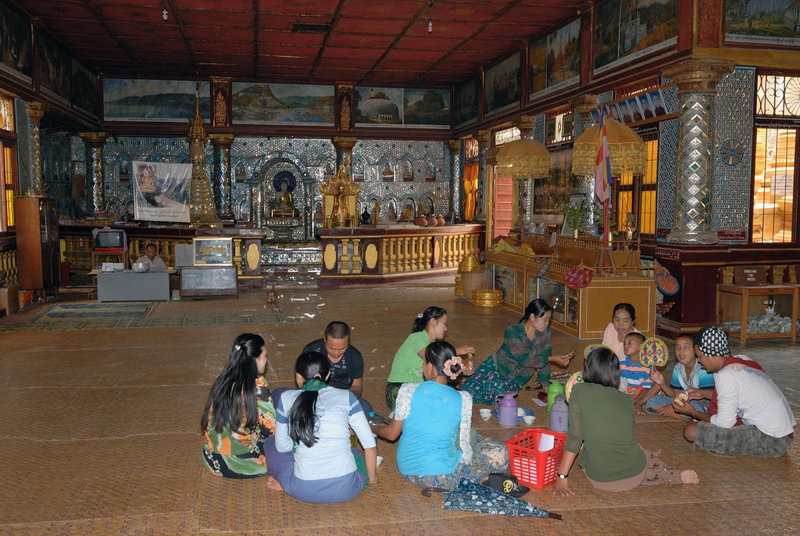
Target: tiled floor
[100, 430]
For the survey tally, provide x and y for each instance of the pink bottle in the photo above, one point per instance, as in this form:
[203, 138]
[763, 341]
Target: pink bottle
[506, 406]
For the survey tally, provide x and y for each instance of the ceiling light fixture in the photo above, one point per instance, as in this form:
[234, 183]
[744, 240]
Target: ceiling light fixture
[430, 20]
[165, 14]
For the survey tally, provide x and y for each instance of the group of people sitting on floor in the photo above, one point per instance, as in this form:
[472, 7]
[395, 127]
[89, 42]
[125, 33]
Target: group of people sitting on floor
[301, 438]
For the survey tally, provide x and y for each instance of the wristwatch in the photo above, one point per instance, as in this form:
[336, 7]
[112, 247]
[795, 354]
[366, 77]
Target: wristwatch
[561, 476]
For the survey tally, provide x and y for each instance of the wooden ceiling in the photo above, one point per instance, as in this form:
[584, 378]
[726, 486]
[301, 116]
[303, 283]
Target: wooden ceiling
[366, 42]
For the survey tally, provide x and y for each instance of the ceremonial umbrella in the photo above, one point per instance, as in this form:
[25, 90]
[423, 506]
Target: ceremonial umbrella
[470, 496]
[523, 159]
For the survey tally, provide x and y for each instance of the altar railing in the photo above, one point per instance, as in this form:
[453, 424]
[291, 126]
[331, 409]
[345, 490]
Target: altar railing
[383, 254]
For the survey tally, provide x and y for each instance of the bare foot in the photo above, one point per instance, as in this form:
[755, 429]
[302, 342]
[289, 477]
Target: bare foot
[689, 477]
[276, 486]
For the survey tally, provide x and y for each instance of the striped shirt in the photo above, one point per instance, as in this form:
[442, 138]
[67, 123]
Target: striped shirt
[637, 376]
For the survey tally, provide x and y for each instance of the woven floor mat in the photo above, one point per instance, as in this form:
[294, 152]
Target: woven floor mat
[73, 480]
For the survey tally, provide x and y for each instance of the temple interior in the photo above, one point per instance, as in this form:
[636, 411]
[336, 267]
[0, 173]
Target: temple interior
[359, 160]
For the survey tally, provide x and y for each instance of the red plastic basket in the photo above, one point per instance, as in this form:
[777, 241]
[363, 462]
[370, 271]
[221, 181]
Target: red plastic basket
[531, 466]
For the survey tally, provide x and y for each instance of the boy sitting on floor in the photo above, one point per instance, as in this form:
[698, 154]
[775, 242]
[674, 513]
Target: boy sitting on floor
[748, 413]
[687, 376]
[634, 377]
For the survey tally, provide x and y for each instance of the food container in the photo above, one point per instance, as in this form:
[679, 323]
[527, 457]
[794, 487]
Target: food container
[140, 266]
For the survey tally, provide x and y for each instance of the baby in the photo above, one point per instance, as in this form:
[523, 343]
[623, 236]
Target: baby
[635, 375]
[687, 375]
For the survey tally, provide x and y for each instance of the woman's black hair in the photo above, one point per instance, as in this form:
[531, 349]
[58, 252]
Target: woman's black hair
[437, 353]
[235, 388]
[601, 366]
[422, 320]
[302, 415]
[625, 307]
[537, 308]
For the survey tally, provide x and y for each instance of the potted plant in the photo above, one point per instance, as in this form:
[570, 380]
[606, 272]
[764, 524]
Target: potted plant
[575, 216]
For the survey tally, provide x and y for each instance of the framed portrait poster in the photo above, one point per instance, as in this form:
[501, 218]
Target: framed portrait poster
[212, 251]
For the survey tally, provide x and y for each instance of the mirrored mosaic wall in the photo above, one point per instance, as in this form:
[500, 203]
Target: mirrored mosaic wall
[398, 172]
[733, 123]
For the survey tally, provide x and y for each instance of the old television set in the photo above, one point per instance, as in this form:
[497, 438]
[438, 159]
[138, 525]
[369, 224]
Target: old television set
[109, 240]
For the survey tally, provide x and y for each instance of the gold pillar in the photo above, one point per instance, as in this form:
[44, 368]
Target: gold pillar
[35, 113]
[344, 153]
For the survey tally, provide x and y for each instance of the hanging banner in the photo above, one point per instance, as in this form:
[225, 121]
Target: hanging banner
[161, 191]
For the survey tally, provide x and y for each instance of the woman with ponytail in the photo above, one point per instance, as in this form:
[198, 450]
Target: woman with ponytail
[429, 325]
[239, 415]
[310, 456]
[437, 447]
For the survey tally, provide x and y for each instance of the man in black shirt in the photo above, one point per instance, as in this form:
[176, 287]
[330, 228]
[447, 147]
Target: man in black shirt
[347, 364]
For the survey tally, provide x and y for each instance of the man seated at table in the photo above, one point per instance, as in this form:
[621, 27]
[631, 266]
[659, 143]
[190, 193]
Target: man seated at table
[151, 257]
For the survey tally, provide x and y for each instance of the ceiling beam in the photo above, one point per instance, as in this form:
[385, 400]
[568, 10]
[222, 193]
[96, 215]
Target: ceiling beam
[104, 23]
[336, 13]
[174, 12]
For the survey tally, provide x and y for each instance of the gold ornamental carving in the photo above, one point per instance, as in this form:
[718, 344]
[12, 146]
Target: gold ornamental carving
[454, 146]
[94, 139]
[584, 104]
[371, 256]
[220, 109]
[340, 198]
[697, 75]
[35, 112]
[329, 257]
[202, 209]
[252, 256]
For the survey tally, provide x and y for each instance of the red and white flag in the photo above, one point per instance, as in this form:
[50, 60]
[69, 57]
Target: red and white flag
[602, 175]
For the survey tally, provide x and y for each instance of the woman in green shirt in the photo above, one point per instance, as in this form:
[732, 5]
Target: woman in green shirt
[429, 325]
[601, 419]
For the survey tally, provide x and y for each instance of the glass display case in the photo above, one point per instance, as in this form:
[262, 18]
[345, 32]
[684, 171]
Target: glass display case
[554, 293]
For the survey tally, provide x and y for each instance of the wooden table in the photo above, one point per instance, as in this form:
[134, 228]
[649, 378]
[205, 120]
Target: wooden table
[744, 294]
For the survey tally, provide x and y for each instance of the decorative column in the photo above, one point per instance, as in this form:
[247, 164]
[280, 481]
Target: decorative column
[583, 106]
[35, 114]
[696, 81]
[456, 170]
[344, 153]
[94, 168]
[484, 138]
[521, 193]
[222, 176]
[308, 181]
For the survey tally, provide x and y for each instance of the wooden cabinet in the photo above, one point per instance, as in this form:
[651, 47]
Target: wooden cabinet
[37, 242]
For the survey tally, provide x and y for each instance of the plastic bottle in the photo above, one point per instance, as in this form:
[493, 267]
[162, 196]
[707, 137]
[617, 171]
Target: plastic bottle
[559, 415]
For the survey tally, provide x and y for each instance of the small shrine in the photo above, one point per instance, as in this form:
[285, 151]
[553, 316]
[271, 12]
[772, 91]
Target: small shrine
[340, 200]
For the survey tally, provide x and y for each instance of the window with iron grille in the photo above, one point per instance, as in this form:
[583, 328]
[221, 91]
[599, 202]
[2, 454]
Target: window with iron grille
[775, 152]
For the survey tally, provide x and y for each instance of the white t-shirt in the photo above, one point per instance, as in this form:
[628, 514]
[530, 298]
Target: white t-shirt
[156, 265]
[330, 456]
[750, 394]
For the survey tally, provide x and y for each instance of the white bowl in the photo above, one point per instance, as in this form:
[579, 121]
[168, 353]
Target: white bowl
[140, 266]
[486, 413]
[529, 419]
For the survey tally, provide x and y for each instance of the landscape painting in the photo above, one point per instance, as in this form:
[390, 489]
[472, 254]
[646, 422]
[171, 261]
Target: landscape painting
[152, 100]
[466, 101]
[379, 106]
[430, 107]
[84, 88]
[538, 59]
[55, 65]
[564, 56]
[760, 21]
[606, 34]
[644, 26]
[15, 43]
[502, 84]
[282, 103]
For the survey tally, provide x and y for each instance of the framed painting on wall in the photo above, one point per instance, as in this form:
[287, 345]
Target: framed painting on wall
[466, 102]
[379, 106]
[153, 100]
[502, 84]
[16, 57]
[426, 107]
[282, 103]
[772, 22]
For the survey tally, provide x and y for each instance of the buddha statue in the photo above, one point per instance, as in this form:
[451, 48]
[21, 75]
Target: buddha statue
[284, 202]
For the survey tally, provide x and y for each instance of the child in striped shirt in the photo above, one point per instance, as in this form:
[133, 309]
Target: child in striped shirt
[636, 376]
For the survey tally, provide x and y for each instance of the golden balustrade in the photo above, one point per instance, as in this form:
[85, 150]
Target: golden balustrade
[8, 261]
[376, 255]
